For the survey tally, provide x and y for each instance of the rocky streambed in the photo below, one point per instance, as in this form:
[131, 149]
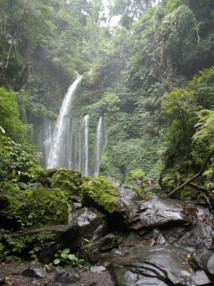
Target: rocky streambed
[143, 242]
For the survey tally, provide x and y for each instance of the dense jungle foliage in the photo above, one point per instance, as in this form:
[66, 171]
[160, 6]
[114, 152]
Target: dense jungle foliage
[151, 75]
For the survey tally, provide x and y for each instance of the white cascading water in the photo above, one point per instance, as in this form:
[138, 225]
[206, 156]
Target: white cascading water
[57, 142]
[98, 148]
[47, 141]
[79, 150]
[86, 157]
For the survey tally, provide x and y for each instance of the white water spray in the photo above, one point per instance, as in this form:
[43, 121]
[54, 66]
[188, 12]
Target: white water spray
[57, 142]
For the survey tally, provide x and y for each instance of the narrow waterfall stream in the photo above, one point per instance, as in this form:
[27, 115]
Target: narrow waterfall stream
[86, 157]
[57, 144]
[98, 148]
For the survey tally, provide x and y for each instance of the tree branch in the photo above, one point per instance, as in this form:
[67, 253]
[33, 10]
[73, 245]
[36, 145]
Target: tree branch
[191, 179]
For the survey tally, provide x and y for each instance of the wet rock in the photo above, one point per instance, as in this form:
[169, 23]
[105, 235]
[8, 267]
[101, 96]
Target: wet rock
[90, 223]
[77, 206]
[66, 278]
[126, 199]
[55, 237]
[98, 269]
[93, 250]
[204, 259]
[35, 272]
[76, 199]
[158, 213]
[148, 231]
[84, 225]
[157, 265]
[201, 234]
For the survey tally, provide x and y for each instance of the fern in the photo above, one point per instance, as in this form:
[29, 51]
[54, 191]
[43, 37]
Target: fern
[205, 127]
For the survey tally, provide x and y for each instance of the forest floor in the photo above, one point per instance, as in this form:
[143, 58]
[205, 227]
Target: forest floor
[11, 274]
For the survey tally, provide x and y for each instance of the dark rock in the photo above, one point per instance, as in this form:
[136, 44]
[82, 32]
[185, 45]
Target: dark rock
[126, 199]
[200, 235]
[181, 225]
[92, 250]
[92, 227]
[157, 265]
[59, 237]
[77, 206]
[2, 281]
[93, 284]
[85, 224]
[76, 199]
[158, 213]
[204, 259]
[35, 272]
[66, 278]
[210, 265]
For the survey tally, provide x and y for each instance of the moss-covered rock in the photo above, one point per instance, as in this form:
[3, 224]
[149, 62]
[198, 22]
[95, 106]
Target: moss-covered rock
[33, 207]
[44, 176]
[69, 181]
[100, 193]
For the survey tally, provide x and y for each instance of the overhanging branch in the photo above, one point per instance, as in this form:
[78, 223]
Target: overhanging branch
[191, 179]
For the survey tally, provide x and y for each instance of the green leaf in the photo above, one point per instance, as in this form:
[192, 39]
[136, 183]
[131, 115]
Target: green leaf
[64, 255]
[56, 261]
[66, 250]
[72, 257]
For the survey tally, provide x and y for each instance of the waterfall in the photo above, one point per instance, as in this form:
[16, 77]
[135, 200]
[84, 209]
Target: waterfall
[46, 144]
[57, 144]
[98, 148]
[86, 157]
[79, 150]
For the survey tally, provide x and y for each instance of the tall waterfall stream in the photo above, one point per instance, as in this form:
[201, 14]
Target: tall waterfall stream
[66, 143]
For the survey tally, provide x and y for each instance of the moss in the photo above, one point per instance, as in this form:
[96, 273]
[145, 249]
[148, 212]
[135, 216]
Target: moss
[86, 178]
[29, 245]
[35, 207]
[69, 181]
[101, 192]
[44, 176]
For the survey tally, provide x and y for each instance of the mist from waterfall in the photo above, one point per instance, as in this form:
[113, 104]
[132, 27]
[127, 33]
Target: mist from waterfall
[58, 143]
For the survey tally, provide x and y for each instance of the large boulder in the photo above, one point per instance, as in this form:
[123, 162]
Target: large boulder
[93, 250]
[45, 241]
[170, 222]
[157, 265]
[158, 213]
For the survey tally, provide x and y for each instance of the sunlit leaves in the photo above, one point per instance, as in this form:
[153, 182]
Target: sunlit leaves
[205, 127]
